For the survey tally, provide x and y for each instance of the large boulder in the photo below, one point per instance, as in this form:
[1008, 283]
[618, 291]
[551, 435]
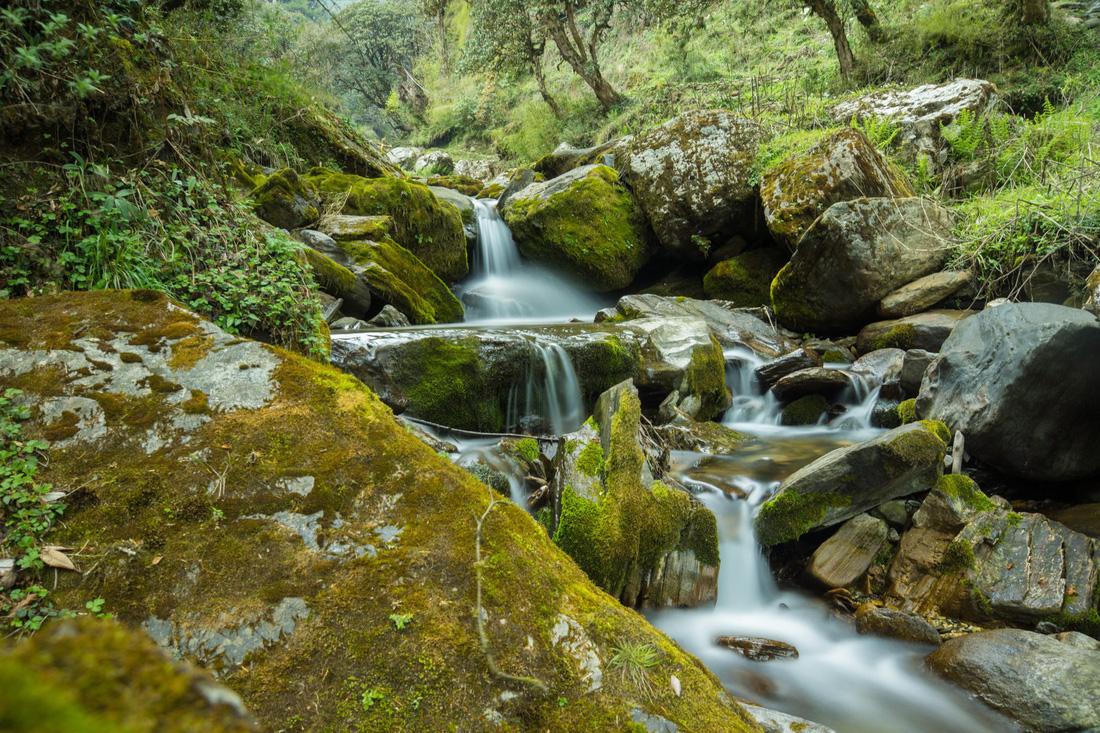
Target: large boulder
[643, 541]
[853, 255]
[404, 157]
[584, 223]
[429, 228]
[337, 280]
[1020, 381]
[286, 200]
[482, 170]
[745, 280]
[268, 518]
[851, 480]
[921, 113]
[841, 167]
[1043, 683]
[435, 162]
[692, 177]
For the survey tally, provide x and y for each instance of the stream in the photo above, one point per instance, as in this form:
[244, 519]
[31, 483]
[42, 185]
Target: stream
[849, 682]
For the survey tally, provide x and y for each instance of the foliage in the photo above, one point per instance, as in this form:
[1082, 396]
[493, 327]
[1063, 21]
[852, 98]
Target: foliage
[381, 38]
[633, 662]
[401, 620]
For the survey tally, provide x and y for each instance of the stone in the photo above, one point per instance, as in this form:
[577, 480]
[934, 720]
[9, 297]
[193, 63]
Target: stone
[465, 206]
[771, 372]
[894, 624]
[692, 176]
[853, 255]
[404, 157]
[1083, 518]
[745, 280]
[1019, 381]
[565, 157]
[913, 367]
[1042, 683]
[583, 223]
[842, 166]
[883, 367]
[922, 294]
[1079, 640]
[336, 274]
[701, 437]
[389, 317]
[926, 331]
[773, 721]
[482, 170]
[758, 649]
[806, 410]
[286, 200]
[849, 481]
[396, 277]
[354, 228]
[842, 559]
[436, 162]
[921, 113]
[896, 513]
[815, 380]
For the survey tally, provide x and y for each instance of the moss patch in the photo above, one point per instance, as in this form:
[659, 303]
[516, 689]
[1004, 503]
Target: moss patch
[463, 184]
[400, 279]
[805, 410]
[791, 515]
[745, 280]
[963, 489]
[331, 277]
[901, 336]
[907, 411]
[705, 377]
[450, 385]
[590, 462]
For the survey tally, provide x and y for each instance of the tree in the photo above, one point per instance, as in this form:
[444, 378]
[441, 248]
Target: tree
[867, 18]
[1035, 12]
[827, 11]
[436, 12]
[381, 38]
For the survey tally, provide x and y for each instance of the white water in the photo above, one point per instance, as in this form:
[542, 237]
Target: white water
[504, 288]
[552, 391]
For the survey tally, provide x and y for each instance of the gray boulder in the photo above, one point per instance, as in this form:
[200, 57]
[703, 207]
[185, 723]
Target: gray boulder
[692, 176]
[404, 157]
[894, 624]
[922, 294]
[851, 480]
[843, 558]
[1020, 381]
[856, 253]
[925, 331]
[1044, 684]
[436, 162]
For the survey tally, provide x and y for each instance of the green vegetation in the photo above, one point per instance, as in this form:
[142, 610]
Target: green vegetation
[633, 662]
[790, 515]
[963, 489]
[528, 449]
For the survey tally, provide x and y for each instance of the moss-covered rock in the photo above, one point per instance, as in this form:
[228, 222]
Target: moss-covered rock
[584, 223]
[638, 539]
[342, 227]
[463, 184]
[274, 539]
[287, 200]
[842, 166]
[98, 677]
[745, 280]
[396, 277]
[319, 134]
[806, 410]
[429, 228]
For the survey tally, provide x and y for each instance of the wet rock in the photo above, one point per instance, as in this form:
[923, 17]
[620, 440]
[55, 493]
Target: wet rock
[565, 157]
[1044, 684]
[884, 367]
[584, 223]
[853, 255]
[333, 276]
[921, 112]
[1020, 382]
[389, 317]
[851, 480]
[701, 437]
[436, 162]
[465, 206]
[287, 200]
[348, 324]
[894, 624]
[692, 176]
[896, 513]
[843, 558]
[773, 721]
[733, 327]
[1083, 518]
[771, 372]
[745, 280]
[806, 410]
[841, 167]
[815, 380]
[914, 366]
[922, 294]
[926, 331]
[758, 649]
[346, 227]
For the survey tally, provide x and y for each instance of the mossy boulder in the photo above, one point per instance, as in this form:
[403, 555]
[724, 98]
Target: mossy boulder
[275, 538]
[842, 166]
[343, 227]
[856, 253]
[692, 177]
[463, 184]
[429, 228]
[396, 277]
[565, 157]
[583, 223]
[925, 331]
[55, 682]
[319, 134]
[745, 280]
[641, 540]
[287, 200]
[851, 480]
[806, 410]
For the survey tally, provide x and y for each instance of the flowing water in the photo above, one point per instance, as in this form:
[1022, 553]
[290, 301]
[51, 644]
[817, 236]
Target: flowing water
[552, 391]
[503, 288]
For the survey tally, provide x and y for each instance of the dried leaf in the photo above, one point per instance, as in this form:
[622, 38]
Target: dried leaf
[53, 496]
[53, 557]
[7, 564]
[157, 559]
[675, 682]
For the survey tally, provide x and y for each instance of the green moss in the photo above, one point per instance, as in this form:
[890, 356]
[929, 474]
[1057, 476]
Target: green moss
[901, 336]
[907, 411]
[331, 277]
[604, 362]
[286, 200]
[938, 429]
[705, 377]
[962, 488]
[591, 230]
[450, 385]
[805, 410]
[590, 461]
[196, 404]
[400, 279]
[422, 224]
[492, 191]
[958, 556]
[913, 448]
[128, 357]
[744, 280]
[790, 304]
[1014, 519]
[463, 184]
[1086, 623]
[835, 356]
[790, 515]
[528, 450]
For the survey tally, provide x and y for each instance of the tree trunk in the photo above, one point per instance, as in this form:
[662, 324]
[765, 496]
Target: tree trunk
[826, 10]
[536, 65]
[441, 19]
[867, 18]
[1035, 12]
[579, 61]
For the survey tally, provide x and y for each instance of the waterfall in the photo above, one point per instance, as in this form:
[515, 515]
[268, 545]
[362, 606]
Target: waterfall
[505, 288]
[551, 392]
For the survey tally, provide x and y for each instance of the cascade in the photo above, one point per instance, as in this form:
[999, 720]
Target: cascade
[552, 391]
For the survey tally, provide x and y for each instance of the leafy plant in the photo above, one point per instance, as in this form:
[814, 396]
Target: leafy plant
[633, 662]
[401, 620]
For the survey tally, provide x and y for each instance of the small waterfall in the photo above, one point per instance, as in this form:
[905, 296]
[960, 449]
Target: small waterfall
[504, 287]
[552, 391]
